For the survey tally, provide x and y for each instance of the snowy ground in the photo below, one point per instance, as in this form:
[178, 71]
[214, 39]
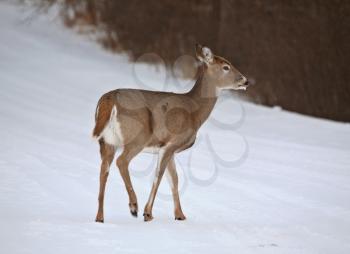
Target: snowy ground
[277, 182]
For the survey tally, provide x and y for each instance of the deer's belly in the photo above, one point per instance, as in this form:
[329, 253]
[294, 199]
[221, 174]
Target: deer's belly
[151, 149]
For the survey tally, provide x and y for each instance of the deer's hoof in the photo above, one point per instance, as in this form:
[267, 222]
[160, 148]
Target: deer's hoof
[99, 217]
[99, 220]
[180, 217]
[133, 209]
[147, 217]
[133, 213]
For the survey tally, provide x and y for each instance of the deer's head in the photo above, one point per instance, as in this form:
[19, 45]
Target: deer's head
[218, 68]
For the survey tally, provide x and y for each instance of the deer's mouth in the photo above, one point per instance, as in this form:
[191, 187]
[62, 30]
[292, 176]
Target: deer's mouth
[244, 86]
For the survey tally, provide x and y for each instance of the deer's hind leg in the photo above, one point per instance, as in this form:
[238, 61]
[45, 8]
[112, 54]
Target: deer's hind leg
[123, 162]
[107, 154]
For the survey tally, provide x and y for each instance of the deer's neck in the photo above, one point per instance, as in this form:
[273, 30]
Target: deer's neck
[204, 95]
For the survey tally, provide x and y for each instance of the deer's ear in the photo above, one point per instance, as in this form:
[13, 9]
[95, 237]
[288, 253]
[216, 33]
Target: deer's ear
[204, 54]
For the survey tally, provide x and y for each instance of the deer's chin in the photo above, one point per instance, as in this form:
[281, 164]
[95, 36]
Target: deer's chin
[240, 88]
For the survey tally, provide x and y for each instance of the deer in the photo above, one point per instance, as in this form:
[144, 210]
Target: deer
[163, 123]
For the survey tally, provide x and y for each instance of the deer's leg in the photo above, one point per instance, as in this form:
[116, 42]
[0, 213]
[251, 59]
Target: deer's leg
[173, 179]
[107, 154]
[123, 165]
[163, 159]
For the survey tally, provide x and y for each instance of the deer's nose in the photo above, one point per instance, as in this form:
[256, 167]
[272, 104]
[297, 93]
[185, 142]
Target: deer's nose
[246, 84]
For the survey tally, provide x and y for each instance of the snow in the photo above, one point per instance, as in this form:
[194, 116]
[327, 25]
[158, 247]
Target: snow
[258, 180]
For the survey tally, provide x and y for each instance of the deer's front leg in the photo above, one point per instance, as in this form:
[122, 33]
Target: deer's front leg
[163, 159]
[173, 179]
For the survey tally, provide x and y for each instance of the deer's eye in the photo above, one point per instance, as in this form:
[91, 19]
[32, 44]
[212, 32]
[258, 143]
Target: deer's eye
[226, 68]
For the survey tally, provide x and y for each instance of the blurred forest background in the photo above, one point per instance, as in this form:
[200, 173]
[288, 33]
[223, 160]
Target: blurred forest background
[295, 51]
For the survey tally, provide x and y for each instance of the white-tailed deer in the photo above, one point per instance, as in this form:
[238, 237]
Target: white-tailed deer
[160, 122]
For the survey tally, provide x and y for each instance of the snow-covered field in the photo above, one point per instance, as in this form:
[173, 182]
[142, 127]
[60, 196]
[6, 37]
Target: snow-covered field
[273, 182]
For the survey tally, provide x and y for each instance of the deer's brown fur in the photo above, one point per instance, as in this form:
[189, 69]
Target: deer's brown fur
[167, 123]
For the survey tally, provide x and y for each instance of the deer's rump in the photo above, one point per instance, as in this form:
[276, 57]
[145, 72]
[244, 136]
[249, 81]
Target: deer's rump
[103, 112]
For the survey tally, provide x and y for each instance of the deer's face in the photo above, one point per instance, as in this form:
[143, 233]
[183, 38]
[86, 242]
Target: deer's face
[218, 68]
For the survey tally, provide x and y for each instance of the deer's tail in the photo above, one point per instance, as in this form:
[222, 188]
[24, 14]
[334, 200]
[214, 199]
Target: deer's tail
[105, 110]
